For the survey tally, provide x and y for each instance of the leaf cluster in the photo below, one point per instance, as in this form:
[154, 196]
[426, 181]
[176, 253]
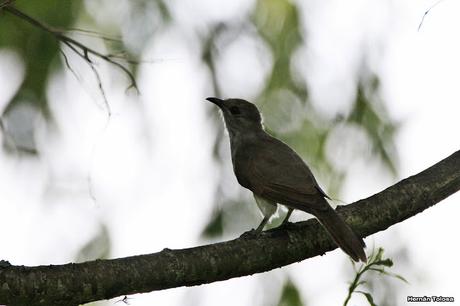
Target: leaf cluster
[376, 264]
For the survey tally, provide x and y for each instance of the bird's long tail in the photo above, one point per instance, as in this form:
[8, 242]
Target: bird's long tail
[342, 234]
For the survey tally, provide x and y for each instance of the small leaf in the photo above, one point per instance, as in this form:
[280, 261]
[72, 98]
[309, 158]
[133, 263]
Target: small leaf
[379, 254]
[386, 262]
[215, 226]
[290, 295]
[369, 297]
[361, 283]
[396, 276]
[377, 264]
[97, 247]
[401, 278]
[377, 270]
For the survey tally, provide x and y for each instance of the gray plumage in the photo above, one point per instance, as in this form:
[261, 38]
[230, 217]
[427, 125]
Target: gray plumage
[276, 174]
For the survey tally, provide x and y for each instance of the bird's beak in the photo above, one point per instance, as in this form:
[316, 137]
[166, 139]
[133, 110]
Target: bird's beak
[216, 101]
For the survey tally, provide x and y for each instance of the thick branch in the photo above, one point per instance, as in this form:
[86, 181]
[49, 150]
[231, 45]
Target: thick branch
[72, 284]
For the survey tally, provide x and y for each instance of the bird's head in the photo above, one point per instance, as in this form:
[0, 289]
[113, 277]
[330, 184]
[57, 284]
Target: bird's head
[240, 115]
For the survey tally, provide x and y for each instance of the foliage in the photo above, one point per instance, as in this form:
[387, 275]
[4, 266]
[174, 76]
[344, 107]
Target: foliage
[290, 295]
[376, 263]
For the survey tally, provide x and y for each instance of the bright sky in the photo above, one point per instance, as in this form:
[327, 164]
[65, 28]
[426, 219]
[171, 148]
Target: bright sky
[154, 192]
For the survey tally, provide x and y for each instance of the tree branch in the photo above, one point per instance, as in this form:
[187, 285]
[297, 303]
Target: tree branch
[73, 284]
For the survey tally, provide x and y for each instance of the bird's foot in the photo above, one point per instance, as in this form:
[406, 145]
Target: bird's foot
[251, 234]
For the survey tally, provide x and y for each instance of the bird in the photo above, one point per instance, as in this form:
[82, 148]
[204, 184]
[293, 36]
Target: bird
[276, 174]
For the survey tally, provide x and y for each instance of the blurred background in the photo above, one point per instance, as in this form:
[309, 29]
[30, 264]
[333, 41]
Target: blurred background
[353, 86]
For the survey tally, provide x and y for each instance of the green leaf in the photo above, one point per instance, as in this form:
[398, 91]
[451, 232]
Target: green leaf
[215, 226]
[290, 295]
[398, 276]
[371, 115]
[96, 248]
[395, 276]
[385, 262]
[369, 298]
[376, 263]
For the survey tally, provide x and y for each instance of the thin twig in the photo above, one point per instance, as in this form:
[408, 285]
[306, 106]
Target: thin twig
[58, 34]
[124, 300]
[89, 178]
[85, 56]
[93, 34]
[101, 88]
[137, 62]
[67, 63]
[426, 13]
[5, 3]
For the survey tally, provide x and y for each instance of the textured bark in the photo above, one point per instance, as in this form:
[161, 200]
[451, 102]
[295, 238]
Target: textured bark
[73, 284]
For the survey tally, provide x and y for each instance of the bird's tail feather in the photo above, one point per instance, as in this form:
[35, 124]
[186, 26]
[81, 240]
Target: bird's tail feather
[343, 235]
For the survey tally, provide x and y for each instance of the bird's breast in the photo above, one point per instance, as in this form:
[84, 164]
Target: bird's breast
[241, 167]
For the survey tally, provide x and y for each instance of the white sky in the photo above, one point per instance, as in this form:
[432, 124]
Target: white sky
[154, 192]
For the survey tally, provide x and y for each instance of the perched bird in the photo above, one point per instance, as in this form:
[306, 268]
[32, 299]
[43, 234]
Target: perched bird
[275, 173]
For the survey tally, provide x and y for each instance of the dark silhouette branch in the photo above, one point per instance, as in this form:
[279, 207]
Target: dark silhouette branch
[80, 49]
[73, 284]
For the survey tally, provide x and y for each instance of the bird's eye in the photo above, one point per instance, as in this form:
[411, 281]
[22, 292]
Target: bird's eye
[235, 110]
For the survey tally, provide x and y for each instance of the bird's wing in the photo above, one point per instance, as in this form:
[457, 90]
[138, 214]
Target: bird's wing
[279, 174]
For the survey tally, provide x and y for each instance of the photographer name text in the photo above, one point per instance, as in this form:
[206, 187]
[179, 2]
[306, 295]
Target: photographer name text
[430, 299]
